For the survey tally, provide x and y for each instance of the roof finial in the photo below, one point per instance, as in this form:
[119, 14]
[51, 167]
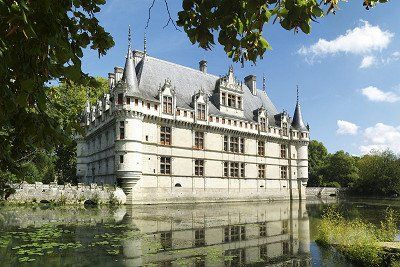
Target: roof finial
[129, 37]
[145, 44]
[297, 93]
[263, 85]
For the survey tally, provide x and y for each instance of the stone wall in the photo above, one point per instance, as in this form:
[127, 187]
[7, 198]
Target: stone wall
[66, 194]
[324, 192]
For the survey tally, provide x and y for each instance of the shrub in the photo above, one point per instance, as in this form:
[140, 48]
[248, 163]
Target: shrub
[357, 240]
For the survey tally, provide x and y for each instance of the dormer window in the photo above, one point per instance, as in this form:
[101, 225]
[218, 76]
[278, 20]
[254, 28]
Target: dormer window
[167, 104]
[231, 101]
[263, 124]
[223, 99]
[285, 128]
[120, 99]
[239, 102]
[201, 111]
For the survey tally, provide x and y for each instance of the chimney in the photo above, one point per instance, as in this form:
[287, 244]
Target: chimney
[111, 80]
[251, 82]
[118, 73]
[203, 66]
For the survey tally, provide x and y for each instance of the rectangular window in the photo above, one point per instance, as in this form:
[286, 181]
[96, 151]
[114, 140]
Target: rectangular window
[234, 233]
[121, 130]
[285, 227]
[128, 100]
[283, 151]
[231, 100]
[239, 100]
[234, 169]
[148, 105]
[285, 129]
[155, 107]
[167, 104]
[261, 171]
[226, 169]
[121, 158]
[242, 170]
[185, 113]
[261, 148]
[223, 99]
[199, 140]
[199, 167]
[120, 99]
[201, 112]
[166, 240]
[283, 172]
[199, 238]
[263, 229]
[234, 144]
[165, 135]
[242, 148]
[165, 165]
[136, 101]
[210, 119]
[263, 124]
[225, 143]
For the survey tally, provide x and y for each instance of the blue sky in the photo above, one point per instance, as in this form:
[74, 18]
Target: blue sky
[349, 80]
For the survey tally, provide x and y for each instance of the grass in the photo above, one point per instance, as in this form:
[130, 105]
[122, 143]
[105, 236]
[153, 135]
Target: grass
[358, 240]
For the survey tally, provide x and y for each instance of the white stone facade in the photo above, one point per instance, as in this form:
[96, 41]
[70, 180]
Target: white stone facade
[167, 134]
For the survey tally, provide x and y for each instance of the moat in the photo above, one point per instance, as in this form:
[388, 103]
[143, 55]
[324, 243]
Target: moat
[234, 234]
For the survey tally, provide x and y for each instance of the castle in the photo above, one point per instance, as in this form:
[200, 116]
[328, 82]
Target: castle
[167, 133]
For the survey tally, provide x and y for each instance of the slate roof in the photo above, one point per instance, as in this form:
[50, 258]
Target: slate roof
[152, 72]
[297, 121]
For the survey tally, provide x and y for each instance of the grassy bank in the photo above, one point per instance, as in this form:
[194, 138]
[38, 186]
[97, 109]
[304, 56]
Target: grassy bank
[360, 241]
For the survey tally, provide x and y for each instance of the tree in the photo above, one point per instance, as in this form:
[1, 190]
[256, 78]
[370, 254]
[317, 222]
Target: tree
[317, 154]
[340, 169]
[40, 42]
[379, 174]
[240, 23]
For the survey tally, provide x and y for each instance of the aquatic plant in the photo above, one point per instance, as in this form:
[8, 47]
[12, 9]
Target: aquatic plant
[356, 239]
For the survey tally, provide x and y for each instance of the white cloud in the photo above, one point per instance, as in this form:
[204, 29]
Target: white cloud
[375, 94]
[360, 41]
[367, 62]
[346, 128]
[381, 137]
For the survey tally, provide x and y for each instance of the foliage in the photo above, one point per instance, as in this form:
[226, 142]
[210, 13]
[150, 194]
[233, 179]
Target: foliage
[41, 42]
[341, 168]
[57, 161]
[240, 23]
[375, 174]
[356, 239]
[379, 174]
[316, 162]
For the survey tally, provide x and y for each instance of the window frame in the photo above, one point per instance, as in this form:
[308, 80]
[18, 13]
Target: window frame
[165, 165]
[261, 171]
[261, 148]
[199, 140]
[199, 167]
[201, 111]
[284, 172]
[167, 104]
[165, 135]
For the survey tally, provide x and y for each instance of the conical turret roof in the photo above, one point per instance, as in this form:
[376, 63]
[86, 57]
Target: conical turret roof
[129, 75]
[297, 122]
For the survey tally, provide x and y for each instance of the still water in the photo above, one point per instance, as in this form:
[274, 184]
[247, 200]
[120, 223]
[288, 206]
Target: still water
[236, 234]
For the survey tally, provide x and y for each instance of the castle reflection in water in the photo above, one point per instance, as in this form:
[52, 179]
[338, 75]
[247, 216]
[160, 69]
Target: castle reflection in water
[236, 234]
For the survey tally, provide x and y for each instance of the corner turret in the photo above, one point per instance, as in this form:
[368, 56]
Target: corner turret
[129, 75]
[297, 122]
